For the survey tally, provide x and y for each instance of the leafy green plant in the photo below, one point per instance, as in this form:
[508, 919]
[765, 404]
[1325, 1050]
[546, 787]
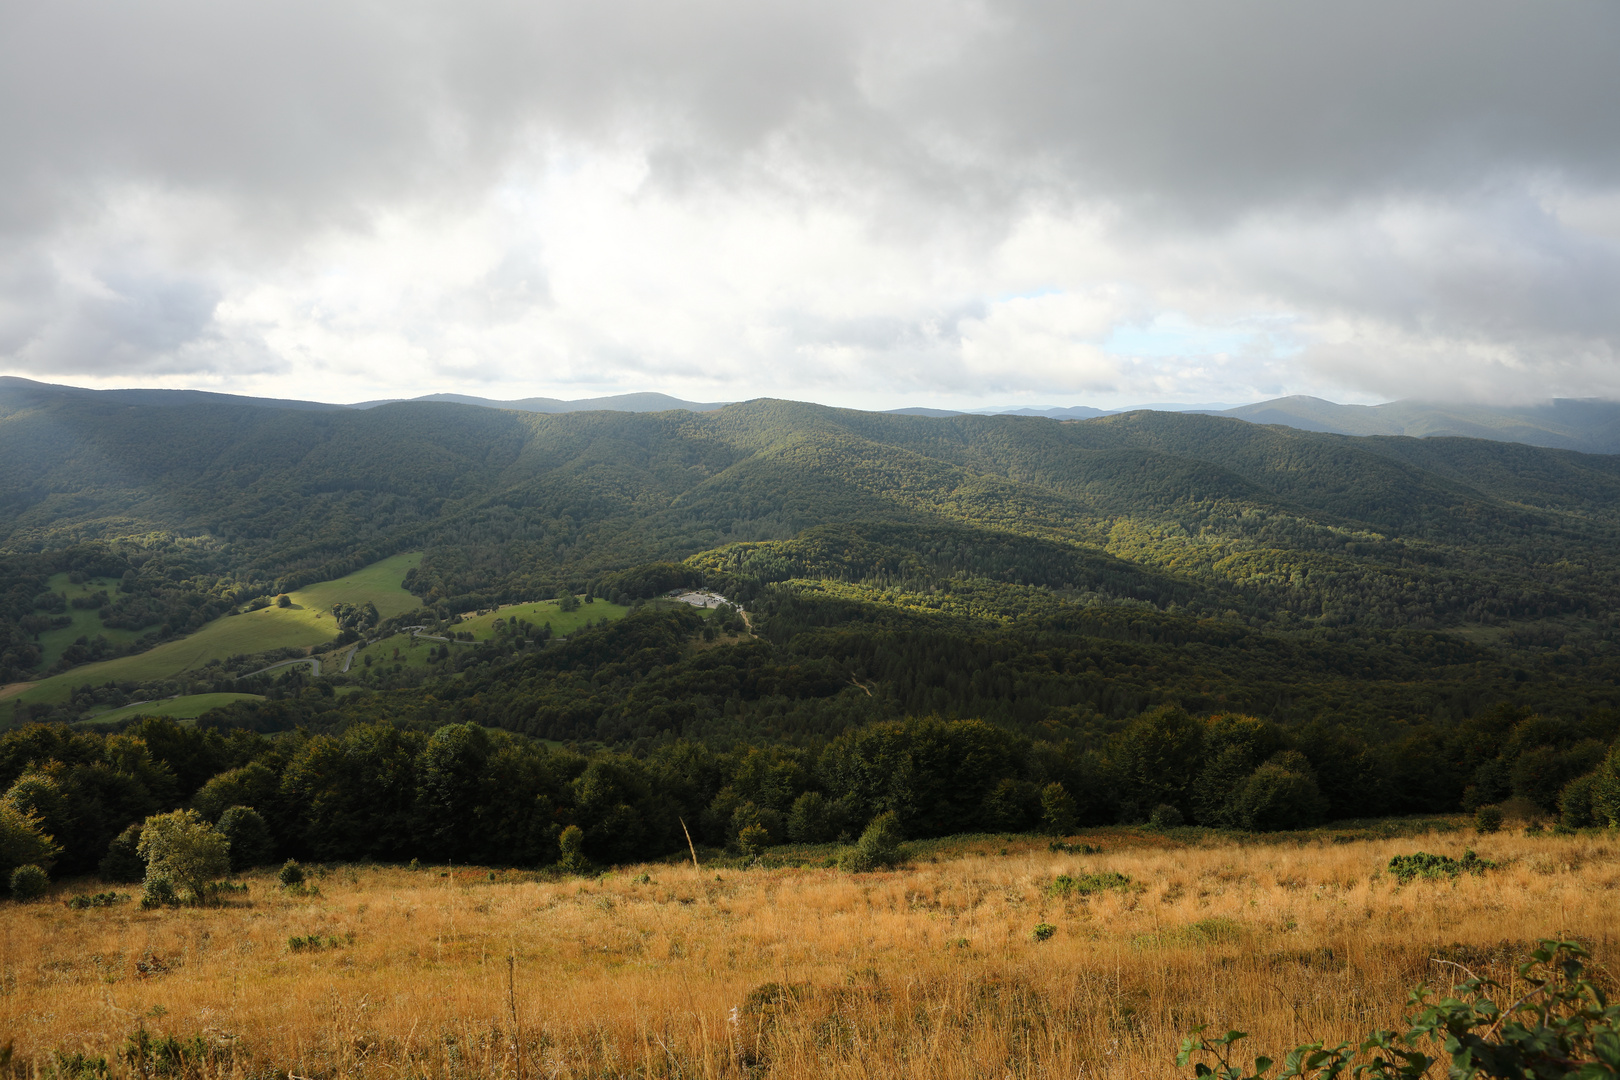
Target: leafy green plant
[1060, 815]
[316, 942]
[82, 901]
[1086, 884]
[1165, 816]
[1488, 819]
[878, 847]
[29, 882]
[183, 850]
[291, 874]
[1422, 864]
[753, 839]
[1043, 931]
[1561, 1026]
[571, 848]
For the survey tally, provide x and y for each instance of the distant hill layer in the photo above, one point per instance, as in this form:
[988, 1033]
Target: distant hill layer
[16, 393]
[616, 403]
[1585, 424]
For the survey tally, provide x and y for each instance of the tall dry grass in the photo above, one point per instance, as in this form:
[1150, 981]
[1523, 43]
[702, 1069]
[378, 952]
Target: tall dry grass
[929, 971]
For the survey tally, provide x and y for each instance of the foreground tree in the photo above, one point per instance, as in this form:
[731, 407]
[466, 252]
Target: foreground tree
[183, 854]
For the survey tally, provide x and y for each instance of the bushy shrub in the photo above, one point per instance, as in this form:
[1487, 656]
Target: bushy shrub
[878, 847]
[1422, 864]
[1165, 816]
[123, 863]
[23, 841]
[291, 874]
[29, 882]
[1488, 819]
[1575, 803]
[765, 823]
[571, 845]
[1606, 791]
[248, 836]
[1043, 931]
[1280, 794]
[753, 840]
[1059, 814]
[158, 892]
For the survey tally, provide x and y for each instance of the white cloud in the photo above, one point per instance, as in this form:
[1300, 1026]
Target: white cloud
[867, 204]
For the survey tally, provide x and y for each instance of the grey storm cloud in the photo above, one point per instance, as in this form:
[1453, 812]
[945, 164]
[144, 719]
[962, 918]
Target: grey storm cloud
[1260, 144]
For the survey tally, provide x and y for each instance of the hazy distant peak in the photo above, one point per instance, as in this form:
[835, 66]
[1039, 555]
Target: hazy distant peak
[1586, 424]
[646, 402]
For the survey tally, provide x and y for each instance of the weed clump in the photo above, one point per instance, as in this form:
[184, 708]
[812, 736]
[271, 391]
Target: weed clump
[1086, 884]
[315, 942]
[101, 899]
[1422, 864]
[1043, 931]
[1488, 819]
[291, 874]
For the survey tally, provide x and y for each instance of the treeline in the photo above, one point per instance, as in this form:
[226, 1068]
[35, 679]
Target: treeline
[467, 793]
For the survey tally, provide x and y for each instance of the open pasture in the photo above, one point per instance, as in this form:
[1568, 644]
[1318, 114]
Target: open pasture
[402, 651]
[308, 622]
[86, 621]
[931, 971]
[563, 623]
[184, 707]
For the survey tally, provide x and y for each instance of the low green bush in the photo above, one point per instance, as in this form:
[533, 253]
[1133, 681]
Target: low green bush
[1563, 1027]
[1086, 884]
[29, 882]
[1422, 864]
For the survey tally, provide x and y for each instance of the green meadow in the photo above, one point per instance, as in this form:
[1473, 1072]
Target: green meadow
[187, 707]
[86, 621]
[308, 622]
[401, 651]
[563, 623]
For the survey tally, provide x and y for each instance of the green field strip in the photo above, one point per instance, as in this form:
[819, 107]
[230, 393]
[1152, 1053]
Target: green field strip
[308, 622]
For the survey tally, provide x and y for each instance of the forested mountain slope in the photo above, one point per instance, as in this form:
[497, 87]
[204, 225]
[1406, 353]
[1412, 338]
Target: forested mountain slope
[1264, 566]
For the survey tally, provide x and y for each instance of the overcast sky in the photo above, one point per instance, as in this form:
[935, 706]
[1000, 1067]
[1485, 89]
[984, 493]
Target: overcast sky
[873, 203]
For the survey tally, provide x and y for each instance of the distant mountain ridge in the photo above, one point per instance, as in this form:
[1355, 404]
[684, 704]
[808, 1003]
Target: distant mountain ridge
[645, 402]
[21, 391]
[1589, 425]
[1586, 424]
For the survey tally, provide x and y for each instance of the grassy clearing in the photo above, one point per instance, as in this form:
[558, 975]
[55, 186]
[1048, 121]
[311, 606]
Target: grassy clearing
[186, 707]
[931, 971]
[563, 623]
[402, 651]
[86, 621]
[308, 622]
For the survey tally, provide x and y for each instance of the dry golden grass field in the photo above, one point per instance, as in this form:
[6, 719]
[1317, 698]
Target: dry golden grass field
[930, 971]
